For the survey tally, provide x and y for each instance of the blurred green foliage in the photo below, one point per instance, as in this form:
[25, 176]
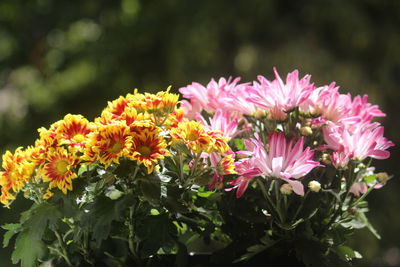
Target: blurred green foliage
[59, 57]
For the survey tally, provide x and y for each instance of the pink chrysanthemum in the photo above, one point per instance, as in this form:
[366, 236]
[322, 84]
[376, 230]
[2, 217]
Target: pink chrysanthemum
[222, 121]
[278, 97]
[363, 143]
[224, 94]
[282, 160]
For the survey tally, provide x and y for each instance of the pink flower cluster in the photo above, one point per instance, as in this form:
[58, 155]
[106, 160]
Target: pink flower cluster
[348, 130]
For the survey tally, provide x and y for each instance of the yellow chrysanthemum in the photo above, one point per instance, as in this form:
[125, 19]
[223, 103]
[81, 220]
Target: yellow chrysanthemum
[18, 169]
[130, 116]
[198, 140]
[220, 143]
[73, 131]
[108, 143]
[59, 169]
[160, 104]
[117, 106]
[175, 118]
[47, 140]
[6, 196]
[226, 165]
[149, 147]
[137, 121]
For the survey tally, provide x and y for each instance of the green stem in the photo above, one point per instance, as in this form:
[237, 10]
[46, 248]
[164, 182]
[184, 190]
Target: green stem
[181, 166]
[63, 253]
[362, 197]
[278, 201]
[301, 206]
[131, 238]
[271, 204]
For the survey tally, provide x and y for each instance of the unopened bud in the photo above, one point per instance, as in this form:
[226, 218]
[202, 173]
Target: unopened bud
[286, 189]
[157, 169]
[259, 113]
[306, 131]
[314, 186]
[114, 194]
[383, 177]
[361, 166]
[266, 147]
[326, 159]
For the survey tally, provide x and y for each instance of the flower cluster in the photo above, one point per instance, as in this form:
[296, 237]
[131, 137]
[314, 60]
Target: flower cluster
[254, 167]
[340, 129]
[138, 127]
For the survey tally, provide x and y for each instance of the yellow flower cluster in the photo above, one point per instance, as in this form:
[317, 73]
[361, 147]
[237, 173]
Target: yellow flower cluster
[197, 139]
[139, 127]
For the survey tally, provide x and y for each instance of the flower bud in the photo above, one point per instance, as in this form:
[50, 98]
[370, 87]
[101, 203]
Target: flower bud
[314, 186]
[306, 131]
[114, 194]
[326, 159]
[383, 177]
[286, 189]
[259, 113]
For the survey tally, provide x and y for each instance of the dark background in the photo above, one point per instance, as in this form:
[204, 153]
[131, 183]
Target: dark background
[59, 57]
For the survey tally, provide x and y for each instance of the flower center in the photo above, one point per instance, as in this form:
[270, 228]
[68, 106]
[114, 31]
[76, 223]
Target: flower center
[78, 138]
[62, 166]
[144, 151]
[116, 147]
[192, 136]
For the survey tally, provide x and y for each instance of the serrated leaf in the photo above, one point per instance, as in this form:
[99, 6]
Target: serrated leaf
[106, 211]
[27, 251]
[154, 232]
[151, 188]
[40, 217]
[12, 229]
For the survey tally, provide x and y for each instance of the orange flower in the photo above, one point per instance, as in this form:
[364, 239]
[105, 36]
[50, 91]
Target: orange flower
[220, 143]
[6, 196]
[18, 170]
[197, 139]
[137, 121]
[193, 134]
[174, 118]
[117, 106]
[160, 104]
[108, 143]
[73, 131]
[149, 147]
[59, 169]
[226, 165]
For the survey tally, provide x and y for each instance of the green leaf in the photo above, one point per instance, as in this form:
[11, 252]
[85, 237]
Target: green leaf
[154, 232]
[370, 178]
[181, 256]
[12, 229]
[205, 194]
[106, 211]
[203, 179]
[88, 168]
[151, 188]
[369, 225]
[345, 253]
[40, 217]
[27, 250]
[239, 144]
